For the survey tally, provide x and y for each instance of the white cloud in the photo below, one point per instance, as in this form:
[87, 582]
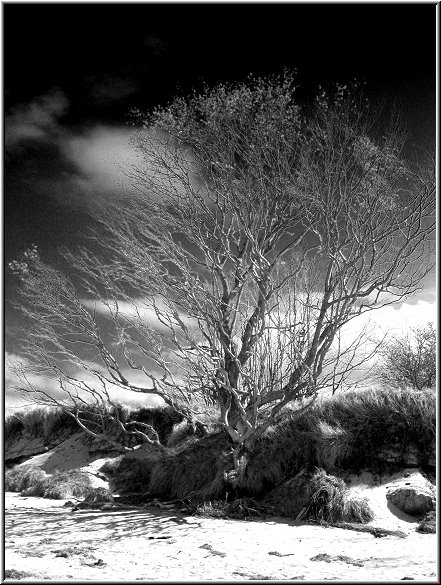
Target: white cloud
[394, 319]
[100, 156]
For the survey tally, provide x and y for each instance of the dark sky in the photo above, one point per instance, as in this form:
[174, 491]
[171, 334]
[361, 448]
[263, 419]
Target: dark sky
[93, 62]
[73, 71]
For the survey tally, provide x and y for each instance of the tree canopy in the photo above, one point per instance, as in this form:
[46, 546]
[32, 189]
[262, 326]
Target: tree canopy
[255, 228]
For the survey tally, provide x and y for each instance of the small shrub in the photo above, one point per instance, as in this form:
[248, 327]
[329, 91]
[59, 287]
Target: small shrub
[68, 484]
[38, 489]
[98, 495]
[24, 477]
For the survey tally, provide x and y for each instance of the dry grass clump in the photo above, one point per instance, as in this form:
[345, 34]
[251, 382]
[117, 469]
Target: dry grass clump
[161, 419]
[317, 496]
[68, 484]
[330, 502]
[24, 477]
[179, 433]
[30, 481]
[16, 575]
[333, 444]
[98, 495]
[110, 466]
[239, 509]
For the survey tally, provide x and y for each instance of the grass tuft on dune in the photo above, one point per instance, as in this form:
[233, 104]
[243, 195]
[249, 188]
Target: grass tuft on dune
[32, 481]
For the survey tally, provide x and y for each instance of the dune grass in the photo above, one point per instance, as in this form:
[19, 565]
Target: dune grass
[131, 473]
[47, 424]
[343, 432]
[41, 423]
[381, 419]
[347, 431]
[195, 468]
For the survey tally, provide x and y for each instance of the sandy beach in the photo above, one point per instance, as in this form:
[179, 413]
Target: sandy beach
[47, 540]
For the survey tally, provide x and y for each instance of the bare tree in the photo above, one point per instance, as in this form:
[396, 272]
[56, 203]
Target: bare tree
[409, 360]
[248, 215]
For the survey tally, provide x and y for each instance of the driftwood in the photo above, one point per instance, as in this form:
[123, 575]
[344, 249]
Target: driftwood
[375, 531]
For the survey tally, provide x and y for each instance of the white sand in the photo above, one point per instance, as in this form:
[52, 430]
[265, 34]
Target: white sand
[198, 548]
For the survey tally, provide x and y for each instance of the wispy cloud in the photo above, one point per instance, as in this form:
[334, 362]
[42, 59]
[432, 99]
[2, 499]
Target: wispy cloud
[13, 396]
[37, 120]
[14, 399]
[92, 158]
[138, 311]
